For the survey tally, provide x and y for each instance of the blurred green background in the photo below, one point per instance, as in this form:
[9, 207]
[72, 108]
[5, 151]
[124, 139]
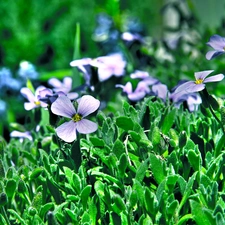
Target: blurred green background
[43, 32]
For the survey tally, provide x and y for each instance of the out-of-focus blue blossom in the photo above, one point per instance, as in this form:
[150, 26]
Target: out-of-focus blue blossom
[199, 83]
[133, 31]
[218, 44]
[111, 65]
[33, 99]
[7, 82]
[3, 108]
[27, 71]
[21, 135]
[139, 93]
[64, 107]
[64, 86]
[105, 34]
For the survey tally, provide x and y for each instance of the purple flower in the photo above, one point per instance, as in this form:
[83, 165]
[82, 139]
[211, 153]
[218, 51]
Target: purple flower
[47, 96]
[33, 99]
[65, 86]
[64, 107]
[218, 44]
[199, 83]
[161, 91]
[140, 92]
[144, 76]
[193, 100]
[110, 65]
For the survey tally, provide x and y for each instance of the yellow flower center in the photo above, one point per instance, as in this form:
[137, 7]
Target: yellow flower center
[76, 117]
[37, 103]
[199, 81]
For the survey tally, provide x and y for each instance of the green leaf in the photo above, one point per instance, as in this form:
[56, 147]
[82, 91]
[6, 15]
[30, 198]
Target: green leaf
[118, 148]
[195, 159]
[17, 216]
[85, 194]
[122, 166]
[10, 188]
[156, 136]
[157, 166]
[125, 123]
[30, 86]
[93, 210]
[187, 190]
[120, 205]
[168, 120]
[45, 208]
[100, 189]
[199, 214]
[141, 170]
[97, 142]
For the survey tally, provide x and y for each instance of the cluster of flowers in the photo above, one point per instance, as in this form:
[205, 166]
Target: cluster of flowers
[59, 97]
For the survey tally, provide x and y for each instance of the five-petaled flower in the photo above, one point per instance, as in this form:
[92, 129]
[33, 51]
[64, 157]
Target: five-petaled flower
[199, 83]
[33, 98]
[218, 44]
[64, 107]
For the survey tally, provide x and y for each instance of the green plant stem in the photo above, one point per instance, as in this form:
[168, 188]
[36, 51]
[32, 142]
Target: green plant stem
[184, 218]
[5, 215]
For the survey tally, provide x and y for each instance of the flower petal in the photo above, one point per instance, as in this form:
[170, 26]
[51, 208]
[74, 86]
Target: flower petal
[67, 82]
[28, 94]
[85, 126]
[87, 105]
[214, 78]
[72, 95]
[29, 105]
[185, 86]
[202, 75]
[62, 106]
[212, 54]
[217, 42]
[54, 82]
[67, 131]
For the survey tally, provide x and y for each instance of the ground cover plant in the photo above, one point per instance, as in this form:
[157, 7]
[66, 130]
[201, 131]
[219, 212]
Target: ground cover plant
[131, 135]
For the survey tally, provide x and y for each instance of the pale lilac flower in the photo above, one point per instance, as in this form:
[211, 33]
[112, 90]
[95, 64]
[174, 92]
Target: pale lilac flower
[144, 76]
[218, 44]
[111, 65]
[193, 100]
[21, 135]
[199, 83]
[64, 86]
[84, 65]
[64, 107]
[33, 99]
[139, 93]
[161, 91]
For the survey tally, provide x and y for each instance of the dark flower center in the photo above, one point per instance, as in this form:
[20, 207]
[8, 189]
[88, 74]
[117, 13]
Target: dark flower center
[76, 117]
